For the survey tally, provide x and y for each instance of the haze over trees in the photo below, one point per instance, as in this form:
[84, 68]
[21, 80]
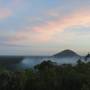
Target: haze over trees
[48, 76]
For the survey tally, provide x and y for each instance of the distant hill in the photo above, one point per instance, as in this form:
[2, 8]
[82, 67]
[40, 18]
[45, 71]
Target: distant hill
[10, 59]
[66, 53]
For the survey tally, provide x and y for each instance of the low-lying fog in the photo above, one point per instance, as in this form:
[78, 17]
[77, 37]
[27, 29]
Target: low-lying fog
[30, 62]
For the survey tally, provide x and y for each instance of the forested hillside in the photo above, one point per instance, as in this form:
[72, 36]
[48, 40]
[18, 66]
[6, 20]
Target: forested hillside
[48, 76]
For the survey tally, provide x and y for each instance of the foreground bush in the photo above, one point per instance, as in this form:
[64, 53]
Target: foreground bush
[48, 76]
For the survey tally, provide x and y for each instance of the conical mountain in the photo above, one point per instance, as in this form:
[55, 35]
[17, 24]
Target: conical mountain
[66, 53]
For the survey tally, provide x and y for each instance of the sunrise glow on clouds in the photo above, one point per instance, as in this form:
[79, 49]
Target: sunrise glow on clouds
[45, 32]
[5, 13]
[44, 27]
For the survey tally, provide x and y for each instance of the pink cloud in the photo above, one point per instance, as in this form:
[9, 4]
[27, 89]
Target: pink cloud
[17, 1]
[5, 13]
[46, 32]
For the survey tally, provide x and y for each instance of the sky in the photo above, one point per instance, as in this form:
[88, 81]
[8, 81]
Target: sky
[44, 27]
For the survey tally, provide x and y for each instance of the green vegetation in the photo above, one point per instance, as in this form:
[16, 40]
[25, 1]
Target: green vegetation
[48, 76]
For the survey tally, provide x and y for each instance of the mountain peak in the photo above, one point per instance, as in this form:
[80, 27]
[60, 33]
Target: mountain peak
[66, 53]
[68, 50]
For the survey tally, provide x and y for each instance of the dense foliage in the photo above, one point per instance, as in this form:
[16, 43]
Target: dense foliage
[48, 76]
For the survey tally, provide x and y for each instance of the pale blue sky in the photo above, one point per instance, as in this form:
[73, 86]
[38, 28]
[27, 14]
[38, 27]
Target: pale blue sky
[44, 27]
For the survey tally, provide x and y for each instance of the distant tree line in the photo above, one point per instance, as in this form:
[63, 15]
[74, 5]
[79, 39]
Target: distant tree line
[48, 76]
